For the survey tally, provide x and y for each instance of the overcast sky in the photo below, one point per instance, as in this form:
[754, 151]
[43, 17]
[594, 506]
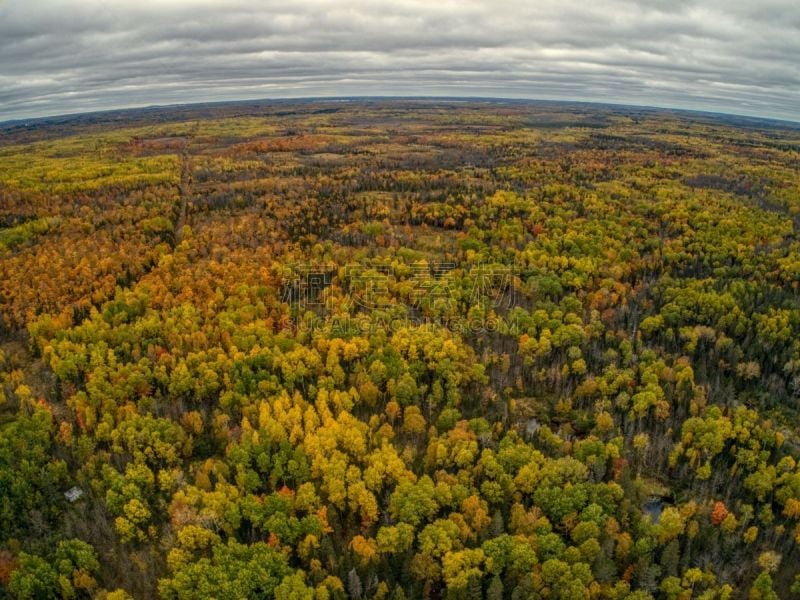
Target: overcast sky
[62, 56]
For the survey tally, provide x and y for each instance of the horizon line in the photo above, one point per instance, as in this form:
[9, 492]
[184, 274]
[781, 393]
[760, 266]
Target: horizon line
[366, 98]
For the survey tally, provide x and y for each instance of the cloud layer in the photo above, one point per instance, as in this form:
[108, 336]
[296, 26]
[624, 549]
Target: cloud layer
[739, 56]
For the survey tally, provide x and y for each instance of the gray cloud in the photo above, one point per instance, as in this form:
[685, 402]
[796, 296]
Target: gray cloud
[59, 56]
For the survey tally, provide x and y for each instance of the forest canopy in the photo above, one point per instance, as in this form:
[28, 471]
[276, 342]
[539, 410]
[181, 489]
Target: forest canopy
[388, 350]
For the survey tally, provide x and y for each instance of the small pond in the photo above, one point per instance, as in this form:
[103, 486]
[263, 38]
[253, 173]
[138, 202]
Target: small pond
[654, 506]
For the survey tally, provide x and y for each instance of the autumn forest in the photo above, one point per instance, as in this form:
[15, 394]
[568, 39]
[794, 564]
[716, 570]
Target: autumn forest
[390, 350]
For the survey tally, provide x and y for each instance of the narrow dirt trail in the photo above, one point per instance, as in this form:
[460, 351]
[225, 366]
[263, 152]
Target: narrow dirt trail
[185, 192]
